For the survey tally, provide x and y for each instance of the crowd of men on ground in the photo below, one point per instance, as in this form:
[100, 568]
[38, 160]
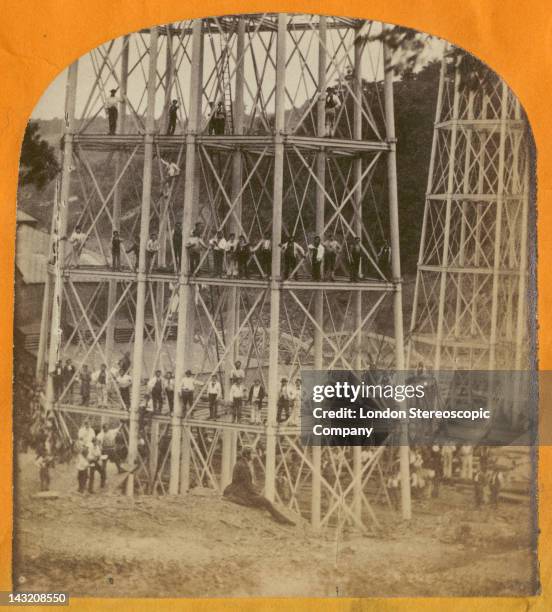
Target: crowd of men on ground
[36, 428]
[432, 466]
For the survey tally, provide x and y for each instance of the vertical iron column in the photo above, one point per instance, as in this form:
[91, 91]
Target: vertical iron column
[521, 389]
[116, 220]
[270, 468]
[61, 209]
[497, 251]
[396, 268]
[142, 272]
[498, 229]
[229, 436]
[428, 202]
[46, 313]
[184, 337]
[448, 212]
[316, 493]
[164, 208]
[235, 193]
[164, 191]
[521, 319]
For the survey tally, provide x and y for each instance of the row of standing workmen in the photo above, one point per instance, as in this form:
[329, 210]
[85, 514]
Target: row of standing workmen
[162, 389]
[216, 125]
[232, 255]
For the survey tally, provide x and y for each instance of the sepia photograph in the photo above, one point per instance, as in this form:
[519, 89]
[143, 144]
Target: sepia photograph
[210, 213]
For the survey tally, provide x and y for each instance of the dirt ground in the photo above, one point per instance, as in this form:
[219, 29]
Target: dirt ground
[104, 545]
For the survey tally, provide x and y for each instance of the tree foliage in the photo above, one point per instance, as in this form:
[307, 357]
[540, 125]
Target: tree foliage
[38, 163]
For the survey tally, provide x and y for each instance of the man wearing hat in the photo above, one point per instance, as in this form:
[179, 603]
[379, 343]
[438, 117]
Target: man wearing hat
[187, 387]
[332, 104]
[242, 491]
[173, 115]
[237, 394]
[112, 111]
[283, 401]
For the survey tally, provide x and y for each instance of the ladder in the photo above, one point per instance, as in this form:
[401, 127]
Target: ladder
[225, 87]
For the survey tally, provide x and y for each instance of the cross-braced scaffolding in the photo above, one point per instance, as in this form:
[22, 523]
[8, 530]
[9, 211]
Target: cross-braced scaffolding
[471, 297]
[282, 164]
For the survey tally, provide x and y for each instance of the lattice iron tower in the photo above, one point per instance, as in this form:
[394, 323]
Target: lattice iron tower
[471, 297]
[273, 171]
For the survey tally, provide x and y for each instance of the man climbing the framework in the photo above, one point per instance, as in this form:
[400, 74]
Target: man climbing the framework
[173, 114]
[241, 490]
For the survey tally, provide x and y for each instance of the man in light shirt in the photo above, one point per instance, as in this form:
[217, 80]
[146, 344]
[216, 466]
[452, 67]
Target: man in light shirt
[77, 240]
[124, 382]
[218, 244]
[317, 258]
[187, 387]
[172, 170]
[82, 469]
[237, 372]
[194, 246]
[237, 394]
[96, 465]
[108, 443]
[294, 395]
[152, 248]
[232, 256]
[263, 248]
[86, 434]
[214, 392]
[466, 462]
[332, 250]
[111, 105]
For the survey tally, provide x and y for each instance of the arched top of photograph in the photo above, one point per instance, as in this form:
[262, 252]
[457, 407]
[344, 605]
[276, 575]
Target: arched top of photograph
[335, 60]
